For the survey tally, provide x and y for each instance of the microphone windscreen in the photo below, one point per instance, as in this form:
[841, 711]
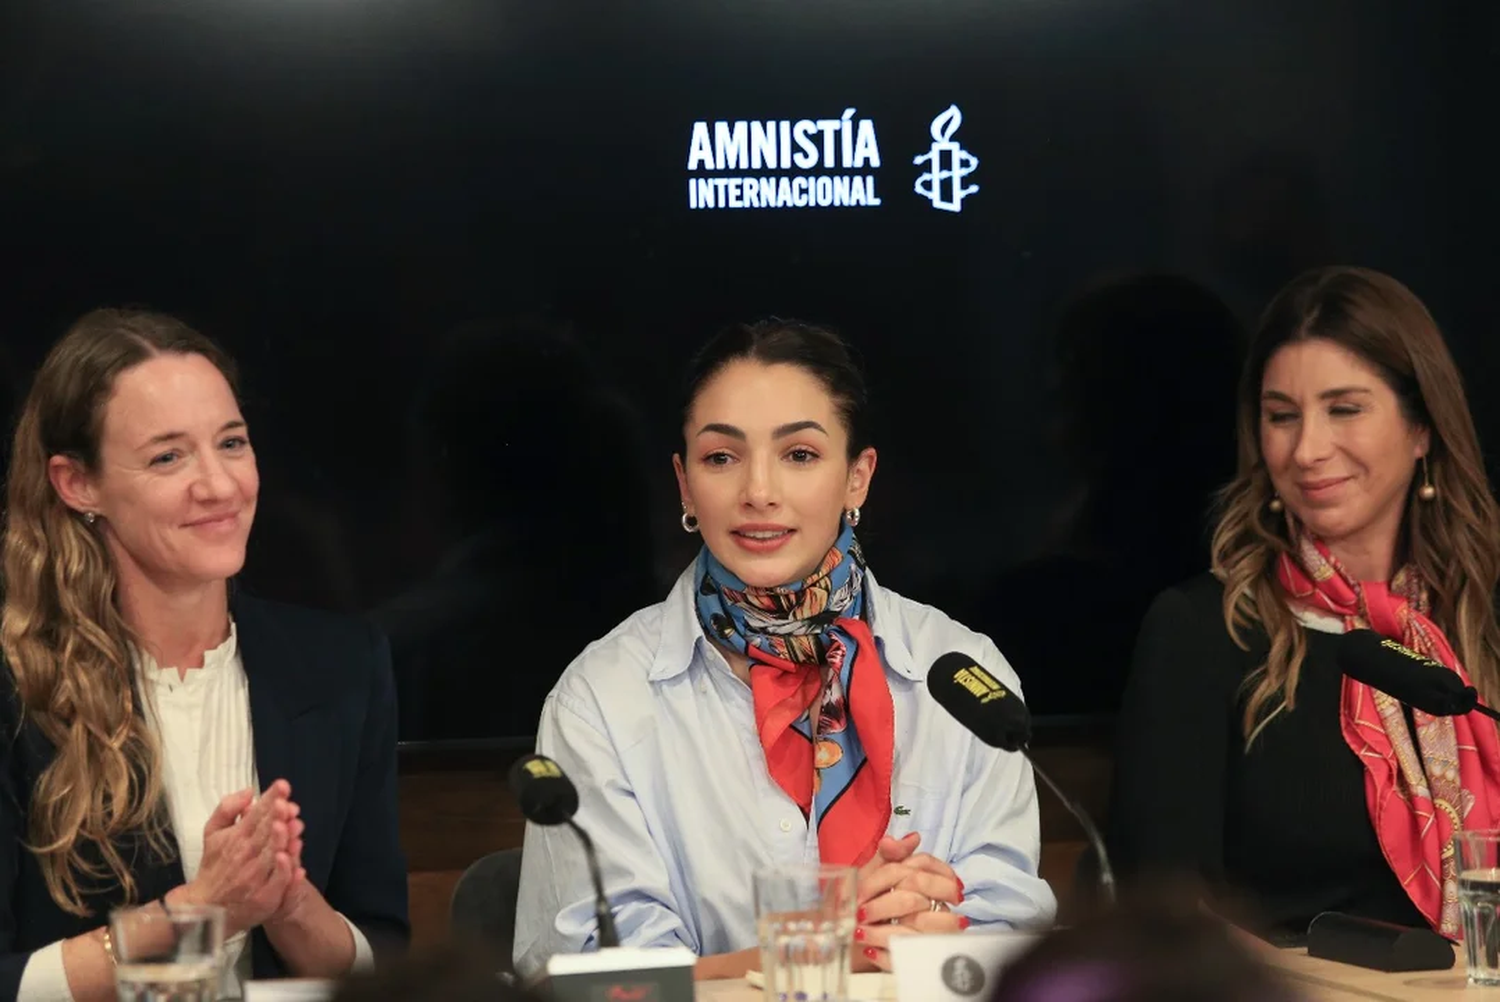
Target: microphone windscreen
[544, 792]
[1402, 673]
[980, 702]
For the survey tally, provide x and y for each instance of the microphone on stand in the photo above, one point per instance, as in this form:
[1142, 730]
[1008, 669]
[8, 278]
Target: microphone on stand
[548, 797]
[1434, 688]
[996, 716]
[1405, 675]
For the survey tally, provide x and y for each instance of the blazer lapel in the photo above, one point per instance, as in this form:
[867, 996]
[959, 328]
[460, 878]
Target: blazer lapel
[298, 734]
[282, 691]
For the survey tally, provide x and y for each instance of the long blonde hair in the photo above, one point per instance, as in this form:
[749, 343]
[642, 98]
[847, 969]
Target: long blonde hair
[1454, 540]
[61, 631]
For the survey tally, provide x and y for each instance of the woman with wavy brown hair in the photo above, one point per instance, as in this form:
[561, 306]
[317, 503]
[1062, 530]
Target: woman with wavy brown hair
[153, 725]
[1245, 757]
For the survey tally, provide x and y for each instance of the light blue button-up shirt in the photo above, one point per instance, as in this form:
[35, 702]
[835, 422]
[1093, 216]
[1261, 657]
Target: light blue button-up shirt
[659, 735]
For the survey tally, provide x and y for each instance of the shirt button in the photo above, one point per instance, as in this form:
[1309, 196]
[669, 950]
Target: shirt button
[702, 686]
[786, 825]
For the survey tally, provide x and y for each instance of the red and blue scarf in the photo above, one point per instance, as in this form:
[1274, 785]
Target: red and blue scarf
[822, 702]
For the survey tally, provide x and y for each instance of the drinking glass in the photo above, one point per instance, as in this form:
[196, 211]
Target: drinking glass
[804, 915]
[168, 956]
[1479, 902]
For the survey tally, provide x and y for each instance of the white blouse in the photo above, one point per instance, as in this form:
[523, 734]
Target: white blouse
[207, 752]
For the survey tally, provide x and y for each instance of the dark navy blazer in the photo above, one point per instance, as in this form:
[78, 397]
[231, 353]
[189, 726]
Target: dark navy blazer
[323, 711]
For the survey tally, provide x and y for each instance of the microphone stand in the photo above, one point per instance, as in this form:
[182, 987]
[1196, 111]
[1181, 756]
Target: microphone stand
[608, 935]
[1481, 708]
[1106, 874]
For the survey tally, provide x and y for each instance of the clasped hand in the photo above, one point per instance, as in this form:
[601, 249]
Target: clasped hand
[897, 889]
[252, 859]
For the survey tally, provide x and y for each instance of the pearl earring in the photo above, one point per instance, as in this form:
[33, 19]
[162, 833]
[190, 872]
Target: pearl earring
[1427, 491]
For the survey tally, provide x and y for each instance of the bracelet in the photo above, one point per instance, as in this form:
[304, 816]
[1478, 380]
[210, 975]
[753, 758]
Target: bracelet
[109, 939]
[109, 948]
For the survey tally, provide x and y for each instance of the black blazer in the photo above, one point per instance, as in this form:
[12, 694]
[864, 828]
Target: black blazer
[323, 710]
[1279, 833]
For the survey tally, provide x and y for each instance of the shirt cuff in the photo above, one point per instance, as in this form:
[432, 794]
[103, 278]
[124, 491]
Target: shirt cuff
[364, 956]
[45, 979]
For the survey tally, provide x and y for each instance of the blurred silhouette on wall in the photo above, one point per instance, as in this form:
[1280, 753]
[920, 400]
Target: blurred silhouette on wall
[299, 551]
[1149, 366]
[527, 485]
[1269, 222]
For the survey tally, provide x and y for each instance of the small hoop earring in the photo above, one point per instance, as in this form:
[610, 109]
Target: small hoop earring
[90, 517]
[1276, 504]
[852, 517]
[689, 522]
[1427, 492]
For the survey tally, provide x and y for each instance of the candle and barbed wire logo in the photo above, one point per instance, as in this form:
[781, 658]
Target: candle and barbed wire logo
[943, 183]
[962, 975]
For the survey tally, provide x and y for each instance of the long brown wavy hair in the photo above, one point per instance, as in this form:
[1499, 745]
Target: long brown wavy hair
[1453, 541]
[61, 631]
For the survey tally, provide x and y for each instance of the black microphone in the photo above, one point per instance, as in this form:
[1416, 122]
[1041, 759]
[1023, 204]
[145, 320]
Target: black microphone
[996, 716]
[1403, 674]
[548, 797]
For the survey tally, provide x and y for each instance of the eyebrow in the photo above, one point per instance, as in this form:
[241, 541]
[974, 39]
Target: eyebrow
[1336, 392]
[172, 436]
[781, 431]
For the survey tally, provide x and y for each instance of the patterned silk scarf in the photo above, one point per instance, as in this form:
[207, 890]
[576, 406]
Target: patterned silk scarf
[822, 702]
[1418, 796]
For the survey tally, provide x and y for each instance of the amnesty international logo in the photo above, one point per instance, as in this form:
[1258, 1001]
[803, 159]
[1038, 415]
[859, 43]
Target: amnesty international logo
[962, 975]
[823, 163]
[948, 165]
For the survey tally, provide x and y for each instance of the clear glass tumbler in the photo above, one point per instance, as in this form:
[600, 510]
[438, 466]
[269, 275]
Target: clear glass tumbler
[172, 956]
[804, 915]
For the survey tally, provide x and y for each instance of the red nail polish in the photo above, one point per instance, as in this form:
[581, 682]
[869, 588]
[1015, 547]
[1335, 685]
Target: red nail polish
[960, 884]
[963, 923]
[859, 933]
[960, 895]
[859, 916]
[870, 952]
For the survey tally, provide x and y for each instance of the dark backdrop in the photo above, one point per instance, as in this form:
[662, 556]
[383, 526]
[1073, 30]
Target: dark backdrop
[450, 242]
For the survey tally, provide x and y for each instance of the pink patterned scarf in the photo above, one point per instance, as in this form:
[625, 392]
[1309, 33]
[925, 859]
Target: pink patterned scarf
[1419, 795]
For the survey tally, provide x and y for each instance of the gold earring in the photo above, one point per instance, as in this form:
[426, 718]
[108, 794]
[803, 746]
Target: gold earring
[1275, 504]
[1427, 491]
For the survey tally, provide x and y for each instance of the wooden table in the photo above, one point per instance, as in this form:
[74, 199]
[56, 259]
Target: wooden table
[1320, 980]
[1326, 981]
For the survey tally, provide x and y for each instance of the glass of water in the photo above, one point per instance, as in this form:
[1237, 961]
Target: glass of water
[1479, 902]
[804, 914]
[168, 956]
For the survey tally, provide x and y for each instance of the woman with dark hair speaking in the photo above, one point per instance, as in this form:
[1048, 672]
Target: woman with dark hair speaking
[773, 708]
[154, 727]
[1246, 758]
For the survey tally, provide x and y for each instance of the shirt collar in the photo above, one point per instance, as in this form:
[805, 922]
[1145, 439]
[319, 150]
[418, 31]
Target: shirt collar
[213, 660]
[681, 632]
